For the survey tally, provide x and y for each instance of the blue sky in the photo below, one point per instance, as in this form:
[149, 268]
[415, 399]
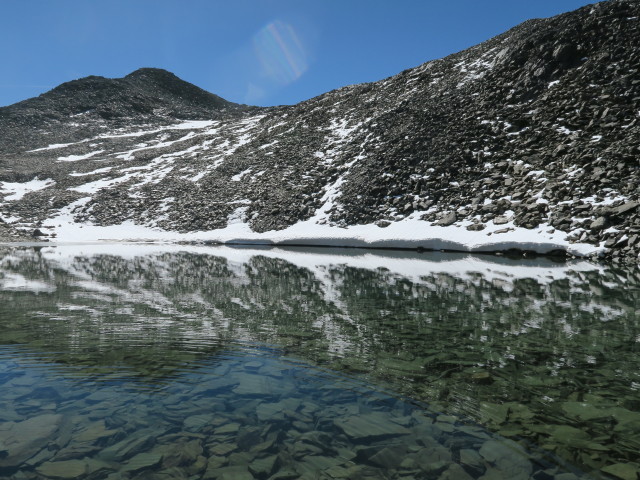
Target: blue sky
[260, 52]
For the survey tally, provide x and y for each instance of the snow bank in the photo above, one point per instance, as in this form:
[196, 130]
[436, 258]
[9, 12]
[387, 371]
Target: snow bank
[410, 233]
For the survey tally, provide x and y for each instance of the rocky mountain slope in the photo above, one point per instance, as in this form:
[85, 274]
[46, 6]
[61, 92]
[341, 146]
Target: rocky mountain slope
[93, 105]
[527, 140]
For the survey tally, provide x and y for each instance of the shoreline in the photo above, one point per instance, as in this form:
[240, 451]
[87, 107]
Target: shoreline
[411, 234]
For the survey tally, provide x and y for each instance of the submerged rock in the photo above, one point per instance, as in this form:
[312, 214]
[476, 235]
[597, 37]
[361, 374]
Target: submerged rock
[129, 447]
[22, 440]
[507, 458]
[370, 426]
[142, 461]
[623, 471]
[63, 470]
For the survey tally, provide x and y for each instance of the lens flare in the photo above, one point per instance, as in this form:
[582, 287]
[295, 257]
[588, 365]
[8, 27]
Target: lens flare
[280, 52]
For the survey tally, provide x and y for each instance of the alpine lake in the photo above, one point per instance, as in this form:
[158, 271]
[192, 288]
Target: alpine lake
[182, 362]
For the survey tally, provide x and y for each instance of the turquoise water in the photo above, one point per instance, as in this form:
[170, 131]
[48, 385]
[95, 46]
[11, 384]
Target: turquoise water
[180, 362]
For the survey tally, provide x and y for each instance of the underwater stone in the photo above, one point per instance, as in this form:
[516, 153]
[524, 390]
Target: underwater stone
[471, 459]
[584, 411]
[302, 450]
[95, 467]
[213, 465]
[445, 427]
[195, 423]
[42, 456]
[370, 426]
[269, 411]
[254, 385]
[241, 458]
[262, 467]
[318, 463]
[128, 447]
[22, 440]
[142, 461]
[223, 449]
[285, 474]
[99, 396]
[389, 457]
[94, 432]
[227, 429]
[249, 437]
[180, 451]
[264, 446]
[508, 458]
[338, 472]
[234, 473]
[493, 412]
[432, 456]
[253, 365]
[624, 471]
[65, 469]
[455, 472]
[566, 434]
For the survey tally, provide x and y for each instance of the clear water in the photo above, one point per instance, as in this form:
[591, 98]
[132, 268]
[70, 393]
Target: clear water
[151, 362]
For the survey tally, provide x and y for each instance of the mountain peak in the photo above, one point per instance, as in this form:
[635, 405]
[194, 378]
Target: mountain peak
[150, 72]
[149, 95]
[158, 76]
[160, 82]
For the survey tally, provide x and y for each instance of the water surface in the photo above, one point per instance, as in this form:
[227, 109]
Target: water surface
[125, 361]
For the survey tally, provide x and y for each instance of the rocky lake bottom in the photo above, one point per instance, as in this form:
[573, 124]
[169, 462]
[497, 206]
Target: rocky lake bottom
[152, 362]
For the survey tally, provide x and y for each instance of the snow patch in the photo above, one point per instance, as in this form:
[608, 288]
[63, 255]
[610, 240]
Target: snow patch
[199, 176]
[16, 191]
[238, 177]
[93, 172]
[75, 158]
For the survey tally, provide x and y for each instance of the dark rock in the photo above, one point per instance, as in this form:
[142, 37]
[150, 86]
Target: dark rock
[449, 219]
[625, 208]
[476, 227]
[599, 223]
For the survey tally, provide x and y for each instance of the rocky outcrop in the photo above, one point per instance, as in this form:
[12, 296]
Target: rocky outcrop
[535, 129]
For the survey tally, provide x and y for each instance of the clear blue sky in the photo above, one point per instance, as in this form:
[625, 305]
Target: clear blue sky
[261, 52]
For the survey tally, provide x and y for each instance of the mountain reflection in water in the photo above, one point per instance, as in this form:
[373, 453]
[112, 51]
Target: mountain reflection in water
[541, 355]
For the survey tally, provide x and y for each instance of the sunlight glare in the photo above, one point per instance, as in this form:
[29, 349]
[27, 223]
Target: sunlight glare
[281, 53]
